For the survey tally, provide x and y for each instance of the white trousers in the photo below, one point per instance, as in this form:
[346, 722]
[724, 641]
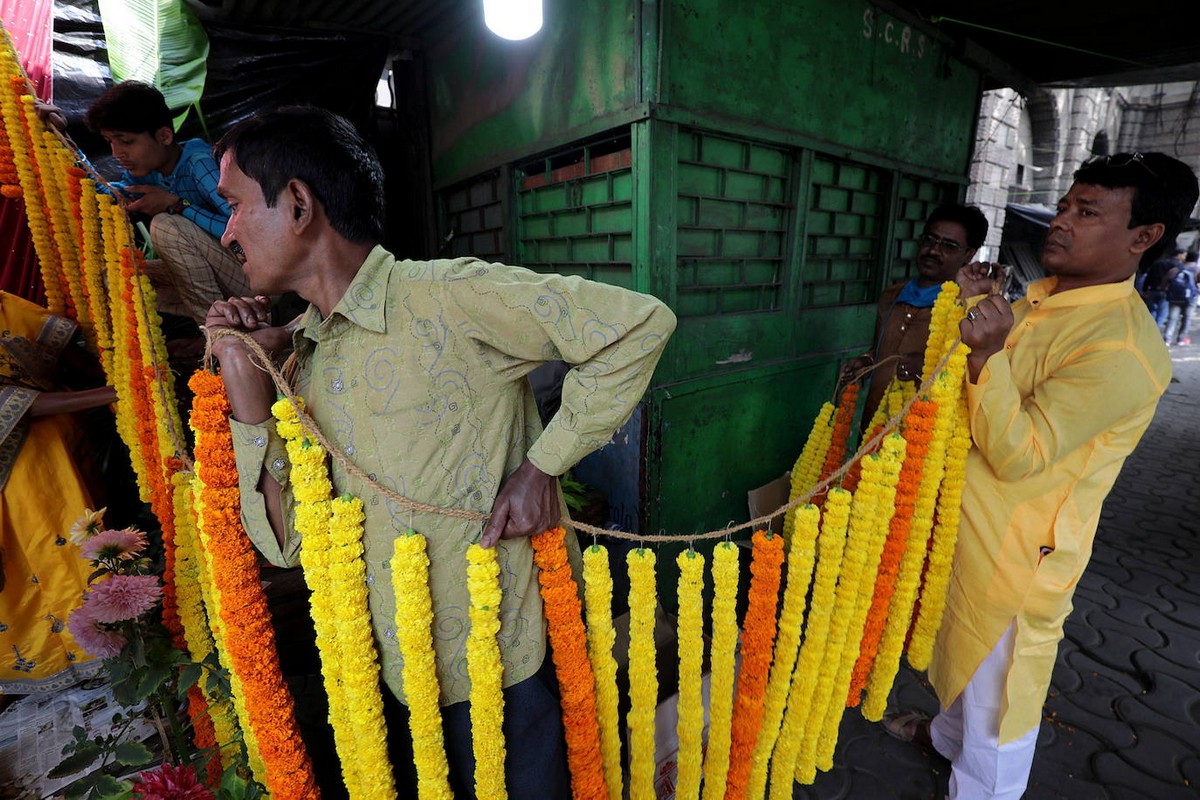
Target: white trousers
[968, 733]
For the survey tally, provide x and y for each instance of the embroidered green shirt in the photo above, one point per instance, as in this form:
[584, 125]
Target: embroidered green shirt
[418, 375]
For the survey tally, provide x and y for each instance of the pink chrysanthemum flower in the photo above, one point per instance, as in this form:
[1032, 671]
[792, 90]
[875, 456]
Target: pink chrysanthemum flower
[169, 782]
[87, 525]
[122, 545]
[122, 597]
[97, 640]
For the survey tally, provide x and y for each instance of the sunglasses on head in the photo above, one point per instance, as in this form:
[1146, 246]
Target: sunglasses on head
[1120, 160]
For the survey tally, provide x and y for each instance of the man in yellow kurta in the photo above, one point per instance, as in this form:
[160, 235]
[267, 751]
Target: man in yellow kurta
[1061, 387]
[416, 371]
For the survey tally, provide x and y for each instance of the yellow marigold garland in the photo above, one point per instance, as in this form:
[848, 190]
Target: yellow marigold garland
[945, 537]
[943, 327]
[690, 727]
[485, 671]
[808, 466]
[835, 517]
[414, 635]
[598, 589]
[643, 673]
[802, 557]
[568, 644]
[891, 458]
[863, 514]
[724, 643]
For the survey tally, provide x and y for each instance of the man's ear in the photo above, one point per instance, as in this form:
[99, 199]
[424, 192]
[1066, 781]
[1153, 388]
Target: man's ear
[164, 136]
[1147, 236]
[302, 204]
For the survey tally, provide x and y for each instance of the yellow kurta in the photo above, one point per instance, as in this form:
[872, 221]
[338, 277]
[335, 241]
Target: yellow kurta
[1053, 417]
[43, 575]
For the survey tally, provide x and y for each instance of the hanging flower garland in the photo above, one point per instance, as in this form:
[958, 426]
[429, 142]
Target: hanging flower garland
[802, 558]
[414, 635]
[690, 727]
[835, 517]
[568, 643]
[721, 661]
[643, 675]
[249, 639]
[485, 671]
[840, 438]
[891, 459]
[758, 639]
[598, 588]
[18, 110]
[918, 429]
[945, 537]
[863, 513]
[808, 466]
[331, 551]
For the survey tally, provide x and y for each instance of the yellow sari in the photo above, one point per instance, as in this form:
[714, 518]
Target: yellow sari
[42, 576]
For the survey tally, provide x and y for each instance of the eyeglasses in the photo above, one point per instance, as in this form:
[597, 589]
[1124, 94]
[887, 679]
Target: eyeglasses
[947, 246]
[1120, 160]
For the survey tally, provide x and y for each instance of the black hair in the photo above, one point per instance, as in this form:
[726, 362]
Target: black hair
[321, 149]
[1164, 190]
[970, 217]
[1191, 257]
[130, 106]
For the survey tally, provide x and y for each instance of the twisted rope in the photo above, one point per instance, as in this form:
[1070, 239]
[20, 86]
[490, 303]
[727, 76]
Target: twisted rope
[263, 361]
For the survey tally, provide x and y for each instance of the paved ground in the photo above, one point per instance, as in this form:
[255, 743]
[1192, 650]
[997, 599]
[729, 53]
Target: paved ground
[1123, 718]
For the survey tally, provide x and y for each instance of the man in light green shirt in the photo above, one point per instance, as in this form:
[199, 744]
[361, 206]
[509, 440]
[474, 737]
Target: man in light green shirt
[416, 371]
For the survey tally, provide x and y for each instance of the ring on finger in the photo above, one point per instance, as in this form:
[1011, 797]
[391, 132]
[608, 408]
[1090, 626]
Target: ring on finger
[972, 315]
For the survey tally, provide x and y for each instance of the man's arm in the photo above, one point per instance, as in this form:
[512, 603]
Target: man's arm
[1092, 392]
[613, 339]
[251, 394]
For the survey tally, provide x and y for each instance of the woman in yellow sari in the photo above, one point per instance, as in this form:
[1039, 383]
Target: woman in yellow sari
[42, 492]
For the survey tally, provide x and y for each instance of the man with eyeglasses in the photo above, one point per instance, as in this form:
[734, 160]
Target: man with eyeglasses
[952, 236]
[1061, 386]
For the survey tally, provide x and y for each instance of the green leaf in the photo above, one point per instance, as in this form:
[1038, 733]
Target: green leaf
[109, 788]
[160, 42]
[188, 676]
[83, 757]
[132, 754]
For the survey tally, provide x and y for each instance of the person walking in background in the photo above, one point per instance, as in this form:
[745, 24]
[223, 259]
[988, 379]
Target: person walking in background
[1155, 285]
[1182, 294]
[1061, 386]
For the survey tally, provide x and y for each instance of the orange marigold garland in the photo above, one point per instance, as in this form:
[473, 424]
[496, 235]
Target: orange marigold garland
[841, 432]
[243, 605]
[560, 599]
[802, 557]
[758, 638]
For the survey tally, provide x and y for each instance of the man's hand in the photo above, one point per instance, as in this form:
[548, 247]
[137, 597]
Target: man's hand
[984, 330]
[150, 200]
[979, 277]
[250, 315]
[50, 114]
[526, 505]
[855, 368]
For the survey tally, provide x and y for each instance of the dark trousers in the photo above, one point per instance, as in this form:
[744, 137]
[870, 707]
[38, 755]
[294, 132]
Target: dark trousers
[535, 763]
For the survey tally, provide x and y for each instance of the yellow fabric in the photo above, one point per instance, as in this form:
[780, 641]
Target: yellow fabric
[43, 574]
[418, 375]
[1053, 417]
